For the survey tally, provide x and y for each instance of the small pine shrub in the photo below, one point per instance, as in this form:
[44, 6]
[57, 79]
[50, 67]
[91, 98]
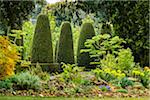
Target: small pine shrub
[42, 50]
[87, 32]
[8, 57]
[65, 49]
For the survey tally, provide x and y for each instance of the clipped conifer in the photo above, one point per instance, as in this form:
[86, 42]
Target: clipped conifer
[65, 52]
[42, 50]
[87, 32]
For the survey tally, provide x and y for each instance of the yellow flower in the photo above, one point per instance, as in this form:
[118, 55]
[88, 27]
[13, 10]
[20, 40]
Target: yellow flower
[146, 68]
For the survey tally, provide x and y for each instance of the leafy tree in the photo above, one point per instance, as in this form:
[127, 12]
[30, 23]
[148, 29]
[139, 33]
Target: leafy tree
[131, 22]
[14, 12]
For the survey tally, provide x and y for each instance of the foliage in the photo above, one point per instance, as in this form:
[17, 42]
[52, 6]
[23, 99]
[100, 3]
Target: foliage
[23, 39]
[129, 20]
[7, 84]
[101, 45]
[125, 60]
[25, 80]
[71, 73]
[76, 34]
[37, 70]
[65, 51]
[109, 52]
[109, 61]
[124, 82]
[42, 50]
[8, 57]
[108, 74]
[122, 91]
[119, 62]
[22, 10]
[55, 31]
[28, 31]
[87, 32]
[143, 76]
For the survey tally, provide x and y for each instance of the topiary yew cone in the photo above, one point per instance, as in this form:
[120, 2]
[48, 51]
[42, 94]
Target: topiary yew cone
[65, 52]
[87, 32]
[42, 50]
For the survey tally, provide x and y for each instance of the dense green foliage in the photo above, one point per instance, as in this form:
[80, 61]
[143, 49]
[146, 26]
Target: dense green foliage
[37, 70]
[126, 82]
[7, 84]
[25, 80]
[87, 32]
[129, 20]
[65, 52]
[14, 12]
[42, 50]
[101, 45]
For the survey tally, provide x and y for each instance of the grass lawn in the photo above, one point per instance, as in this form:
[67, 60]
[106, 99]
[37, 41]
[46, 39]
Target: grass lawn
[63, 98]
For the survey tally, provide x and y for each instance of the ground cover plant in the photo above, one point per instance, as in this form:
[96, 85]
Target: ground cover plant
[75, 49]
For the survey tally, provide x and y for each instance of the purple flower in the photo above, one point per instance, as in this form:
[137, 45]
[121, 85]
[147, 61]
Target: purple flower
[105, 87]
[108, 87]
[101, 86]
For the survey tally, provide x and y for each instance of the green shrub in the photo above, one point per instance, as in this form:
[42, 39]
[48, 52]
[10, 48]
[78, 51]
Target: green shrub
[65, 49]
[42, 51]
[87, 32]
[71, 73]
[125, 60]
[143, 76]
[7, 84]
[25, 80]
[39, 72]
[126, 82]
[145, 79]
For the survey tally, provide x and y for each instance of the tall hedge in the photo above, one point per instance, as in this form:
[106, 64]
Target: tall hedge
[42, 50]
[65, 52]
[87, 32]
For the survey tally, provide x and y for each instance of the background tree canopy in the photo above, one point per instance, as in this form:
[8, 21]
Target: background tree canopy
[14, 12]
[129, 18]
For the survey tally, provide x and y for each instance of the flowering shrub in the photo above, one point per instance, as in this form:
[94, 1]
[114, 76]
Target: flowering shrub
[8, 57]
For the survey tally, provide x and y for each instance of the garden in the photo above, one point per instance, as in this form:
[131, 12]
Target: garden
[74, 49]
